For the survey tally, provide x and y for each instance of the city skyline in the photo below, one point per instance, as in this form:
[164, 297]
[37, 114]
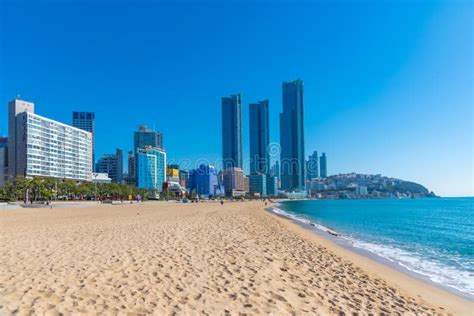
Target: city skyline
[366, 124]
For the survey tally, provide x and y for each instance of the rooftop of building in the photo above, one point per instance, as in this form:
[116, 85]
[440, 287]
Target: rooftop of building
[145, 128]
[57, 122]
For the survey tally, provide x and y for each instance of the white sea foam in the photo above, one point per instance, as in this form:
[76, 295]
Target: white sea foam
[460, 280]
[437, 272]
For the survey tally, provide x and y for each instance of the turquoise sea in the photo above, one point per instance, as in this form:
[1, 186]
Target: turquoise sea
[433, 238]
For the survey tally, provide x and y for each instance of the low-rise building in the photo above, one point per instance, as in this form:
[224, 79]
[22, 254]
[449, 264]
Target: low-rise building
[112, 164]
[361, 190]
[203, 181]
[98, 177]
[235, 182]
[296, 195]
[174, 186]
[172, 171]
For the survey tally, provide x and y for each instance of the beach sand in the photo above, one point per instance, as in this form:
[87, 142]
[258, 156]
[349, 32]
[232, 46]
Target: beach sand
[169, 258]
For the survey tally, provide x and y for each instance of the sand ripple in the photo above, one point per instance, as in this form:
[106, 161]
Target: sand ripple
[159, 258]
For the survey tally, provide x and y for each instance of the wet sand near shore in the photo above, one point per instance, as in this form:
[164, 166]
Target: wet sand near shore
[169, 258]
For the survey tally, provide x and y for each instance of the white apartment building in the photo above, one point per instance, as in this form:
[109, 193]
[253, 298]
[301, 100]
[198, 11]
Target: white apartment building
[47, 148]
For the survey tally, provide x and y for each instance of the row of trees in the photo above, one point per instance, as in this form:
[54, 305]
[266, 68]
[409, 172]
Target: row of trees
[47, 189]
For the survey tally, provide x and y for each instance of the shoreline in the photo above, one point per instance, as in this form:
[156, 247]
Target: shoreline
[409, 282]
[338, 240]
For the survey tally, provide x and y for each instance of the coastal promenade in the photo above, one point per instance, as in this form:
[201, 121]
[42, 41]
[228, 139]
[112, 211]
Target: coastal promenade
[165, 258]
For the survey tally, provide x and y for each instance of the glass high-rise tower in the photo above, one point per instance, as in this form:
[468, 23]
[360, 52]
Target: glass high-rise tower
[312, 169]
[259, 138]
[147, 137]
[292, 137]
[323, 166]
[86, 122]
[232, 131]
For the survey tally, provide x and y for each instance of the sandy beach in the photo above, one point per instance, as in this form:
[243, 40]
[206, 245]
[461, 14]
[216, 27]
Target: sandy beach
[168, 258]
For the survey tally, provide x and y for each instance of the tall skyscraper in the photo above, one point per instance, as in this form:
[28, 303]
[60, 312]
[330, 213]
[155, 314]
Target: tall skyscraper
[86, 122]
[275, 171]
[312, 168]
[15, 107]
[43, 147]
[292, 137]
[112, 164]
[259, 138]
[232, 131]
[147, 137]
[323, 166]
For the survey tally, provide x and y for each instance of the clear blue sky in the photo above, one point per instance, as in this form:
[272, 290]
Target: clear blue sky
[388, 84]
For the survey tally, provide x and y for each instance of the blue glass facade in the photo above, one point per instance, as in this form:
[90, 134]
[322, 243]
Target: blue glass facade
[272, 186]
[258, 184]
[86, 122]
[150, 168]
[203, 181]
[259, 138]
[232, 131]
[292, 137]
[323, 165]
[312, 169]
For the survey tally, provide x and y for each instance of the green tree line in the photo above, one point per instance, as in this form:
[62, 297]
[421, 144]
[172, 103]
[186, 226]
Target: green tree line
[47, 189]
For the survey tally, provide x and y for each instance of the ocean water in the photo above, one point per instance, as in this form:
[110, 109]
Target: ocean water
[431, 237]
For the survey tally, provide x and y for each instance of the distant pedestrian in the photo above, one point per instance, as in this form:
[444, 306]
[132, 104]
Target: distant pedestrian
[222, 202]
